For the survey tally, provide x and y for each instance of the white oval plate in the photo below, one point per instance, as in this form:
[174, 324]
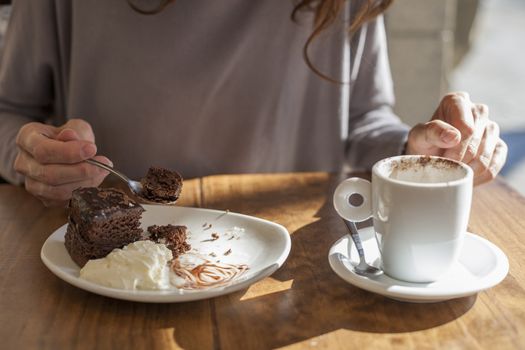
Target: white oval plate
[263, 246]
[481, 265]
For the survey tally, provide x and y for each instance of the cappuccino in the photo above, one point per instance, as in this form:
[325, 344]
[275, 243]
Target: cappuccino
[422, 170]
[420, 207]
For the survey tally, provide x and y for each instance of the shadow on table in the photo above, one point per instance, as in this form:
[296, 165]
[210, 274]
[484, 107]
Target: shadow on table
[319, 302]
[326, 303]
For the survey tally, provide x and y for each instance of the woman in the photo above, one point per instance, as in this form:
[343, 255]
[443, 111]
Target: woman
[208, 87]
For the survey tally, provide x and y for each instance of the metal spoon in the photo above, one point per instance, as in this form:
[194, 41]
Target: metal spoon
[363, 268]
[134, 186]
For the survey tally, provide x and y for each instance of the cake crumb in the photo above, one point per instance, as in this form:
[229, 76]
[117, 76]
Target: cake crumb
[225, 212]
[214, 237]
[228, 252]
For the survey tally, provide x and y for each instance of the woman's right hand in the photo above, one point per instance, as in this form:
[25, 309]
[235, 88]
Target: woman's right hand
[52, 160]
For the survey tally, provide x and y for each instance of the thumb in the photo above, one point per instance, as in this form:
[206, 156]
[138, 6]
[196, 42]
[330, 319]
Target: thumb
[67, 135]
[428, 138]
[82, 128]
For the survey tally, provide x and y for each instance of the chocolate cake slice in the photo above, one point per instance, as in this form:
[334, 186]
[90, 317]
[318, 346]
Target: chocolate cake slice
[99, 221]
[161, 185]
[173, 236]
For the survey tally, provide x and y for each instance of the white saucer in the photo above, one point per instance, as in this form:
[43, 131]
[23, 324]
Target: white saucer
[481, 265]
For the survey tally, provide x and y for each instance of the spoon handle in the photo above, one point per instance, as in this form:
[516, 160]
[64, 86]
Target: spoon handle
[355, 237]
[108, 168]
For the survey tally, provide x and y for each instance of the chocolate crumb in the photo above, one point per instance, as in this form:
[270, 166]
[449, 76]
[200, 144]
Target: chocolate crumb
[173, 236]
[225, 212]
[228, 252]
[214, 237]
[421, 162]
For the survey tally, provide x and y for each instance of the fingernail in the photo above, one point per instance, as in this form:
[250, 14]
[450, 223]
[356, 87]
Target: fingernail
[448, 136]
[88, 151]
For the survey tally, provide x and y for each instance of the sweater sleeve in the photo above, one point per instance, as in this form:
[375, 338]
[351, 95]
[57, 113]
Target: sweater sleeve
[27, 75]
[375, 132]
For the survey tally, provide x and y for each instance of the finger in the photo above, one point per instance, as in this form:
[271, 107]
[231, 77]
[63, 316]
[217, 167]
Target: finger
[32, 133]
[496, 164]
[58, 174]
[23, 163]
[38, 140]
[431, 137]
[55, 195]
[67, 135]
[47, 151]
[480, 114]
[481, 162]
[456, 109]
[82, 128]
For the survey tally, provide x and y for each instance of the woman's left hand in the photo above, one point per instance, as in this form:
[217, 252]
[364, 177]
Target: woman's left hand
[461, 130]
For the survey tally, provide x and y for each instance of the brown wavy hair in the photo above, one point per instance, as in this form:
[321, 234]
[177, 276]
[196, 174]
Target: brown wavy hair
[326, 12]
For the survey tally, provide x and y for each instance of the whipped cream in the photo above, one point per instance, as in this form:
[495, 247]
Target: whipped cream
[139, 265]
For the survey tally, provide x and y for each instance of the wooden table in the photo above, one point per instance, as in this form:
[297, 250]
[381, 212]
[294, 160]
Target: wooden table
[302, 305]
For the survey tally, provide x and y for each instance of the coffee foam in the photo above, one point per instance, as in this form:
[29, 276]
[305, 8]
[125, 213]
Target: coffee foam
[423, 170]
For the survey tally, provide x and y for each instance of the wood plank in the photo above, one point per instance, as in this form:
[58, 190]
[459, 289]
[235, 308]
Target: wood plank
[305, 304]
[38, 310]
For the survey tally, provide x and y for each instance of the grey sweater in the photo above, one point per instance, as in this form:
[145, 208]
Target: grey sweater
[204, 87]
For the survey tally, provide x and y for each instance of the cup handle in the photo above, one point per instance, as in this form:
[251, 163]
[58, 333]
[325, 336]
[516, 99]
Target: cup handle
[345, 190]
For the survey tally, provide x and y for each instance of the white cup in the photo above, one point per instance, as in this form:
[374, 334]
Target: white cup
[420, 207]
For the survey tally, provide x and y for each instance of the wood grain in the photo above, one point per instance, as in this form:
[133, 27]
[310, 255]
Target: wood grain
[302, 305]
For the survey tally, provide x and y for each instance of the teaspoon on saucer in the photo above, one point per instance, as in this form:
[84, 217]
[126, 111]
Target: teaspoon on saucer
[363, 268]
